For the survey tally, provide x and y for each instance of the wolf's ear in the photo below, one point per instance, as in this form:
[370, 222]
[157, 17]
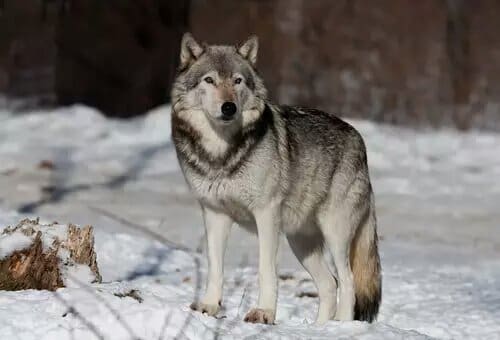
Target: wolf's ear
[190, 50]
[249, 48]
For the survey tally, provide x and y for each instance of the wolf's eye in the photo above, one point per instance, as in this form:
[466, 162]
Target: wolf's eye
[238, 80]
[209, 80]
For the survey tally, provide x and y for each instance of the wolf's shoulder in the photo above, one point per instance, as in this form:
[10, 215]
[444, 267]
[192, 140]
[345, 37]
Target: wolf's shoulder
[313, 127]
[313, 119]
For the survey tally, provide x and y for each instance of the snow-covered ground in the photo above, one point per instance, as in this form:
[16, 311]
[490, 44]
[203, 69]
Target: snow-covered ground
[438, 199]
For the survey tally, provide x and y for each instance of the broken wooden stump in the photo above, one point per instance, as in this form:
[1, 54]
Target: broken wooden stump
[50, 256]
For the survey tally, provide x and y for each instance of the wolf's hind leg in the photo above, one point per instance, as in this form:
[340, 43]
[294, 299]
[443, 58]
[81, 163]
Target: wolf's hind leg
[309, 251]
[217, 226]
[338, 232]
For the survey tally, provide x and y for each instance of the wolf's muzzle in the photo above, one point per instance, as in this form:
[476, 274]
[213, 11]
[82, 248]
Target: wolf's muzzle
[228, 110]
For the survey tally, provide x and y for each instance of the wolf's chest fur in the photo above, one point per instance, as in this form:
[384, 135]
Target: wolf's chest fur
[234, 196]
[225, 177]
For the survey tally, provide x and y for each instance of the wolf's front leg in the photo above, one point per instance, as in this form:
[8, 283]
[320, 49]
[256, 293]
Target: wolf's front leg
[217, 226]
[268, 231]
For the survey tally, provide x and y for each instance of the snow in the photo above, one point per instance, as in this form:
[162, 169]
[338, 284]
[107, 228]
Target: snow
[12, 242]
[437, 197]
[77, 275]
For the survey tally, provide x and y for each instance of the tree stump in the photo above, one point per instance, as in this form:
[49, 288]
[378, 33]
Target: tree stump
[50, 256]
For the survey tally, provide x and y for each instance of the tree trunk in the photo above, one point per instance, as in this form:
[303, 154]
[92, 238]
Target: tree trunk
[36, 256]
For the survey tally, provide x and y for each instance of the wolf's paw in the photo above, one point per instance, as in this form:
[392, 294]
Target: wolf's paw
[209, 309]
[257, 315]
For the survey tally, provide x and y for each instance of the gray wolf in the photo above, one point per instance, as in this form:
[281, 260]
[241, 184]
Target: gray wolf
[275, 169]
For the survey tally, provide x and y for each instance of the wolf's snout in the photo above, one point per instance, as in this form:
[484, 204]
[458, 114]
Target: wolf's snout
[228, 110]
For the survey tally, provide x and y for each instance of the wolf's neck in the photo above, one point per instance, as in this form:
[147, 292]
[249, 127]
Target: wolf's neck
[204, 149]
[216, 141]
[213, 142]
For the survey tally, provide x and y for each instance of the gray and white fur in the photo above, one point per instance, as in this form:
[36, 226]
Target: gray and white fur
[275, 169]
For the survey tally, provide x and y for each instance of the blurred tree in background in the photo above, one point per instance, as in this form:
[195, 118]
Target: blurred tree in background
[119, 56]
[427, 62]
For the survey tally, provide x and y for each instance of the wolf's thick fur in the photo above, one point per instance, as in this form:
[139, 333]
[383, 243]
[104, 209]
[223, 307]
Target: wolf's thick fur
[275, 169]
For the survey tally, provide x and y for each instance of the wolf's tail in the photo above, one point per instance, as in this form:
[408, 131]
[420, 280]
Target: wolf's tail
[365, 264]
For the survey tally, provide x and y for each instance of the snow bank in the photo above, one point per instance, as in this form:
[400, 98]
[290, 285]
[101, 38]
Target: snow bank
[148, 287]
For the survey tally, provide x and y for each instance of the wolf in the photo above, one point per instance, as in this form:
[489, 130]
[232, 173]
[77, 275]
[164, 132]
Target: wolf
[274, 169]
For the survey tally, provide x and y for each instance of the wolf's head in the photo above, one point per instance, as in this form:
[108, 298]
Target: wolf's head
[219, 82]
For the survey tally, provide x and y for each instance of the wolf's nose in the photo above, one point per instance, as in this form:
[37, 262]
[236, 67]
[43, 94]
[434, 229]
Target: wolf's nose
[228, 109]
